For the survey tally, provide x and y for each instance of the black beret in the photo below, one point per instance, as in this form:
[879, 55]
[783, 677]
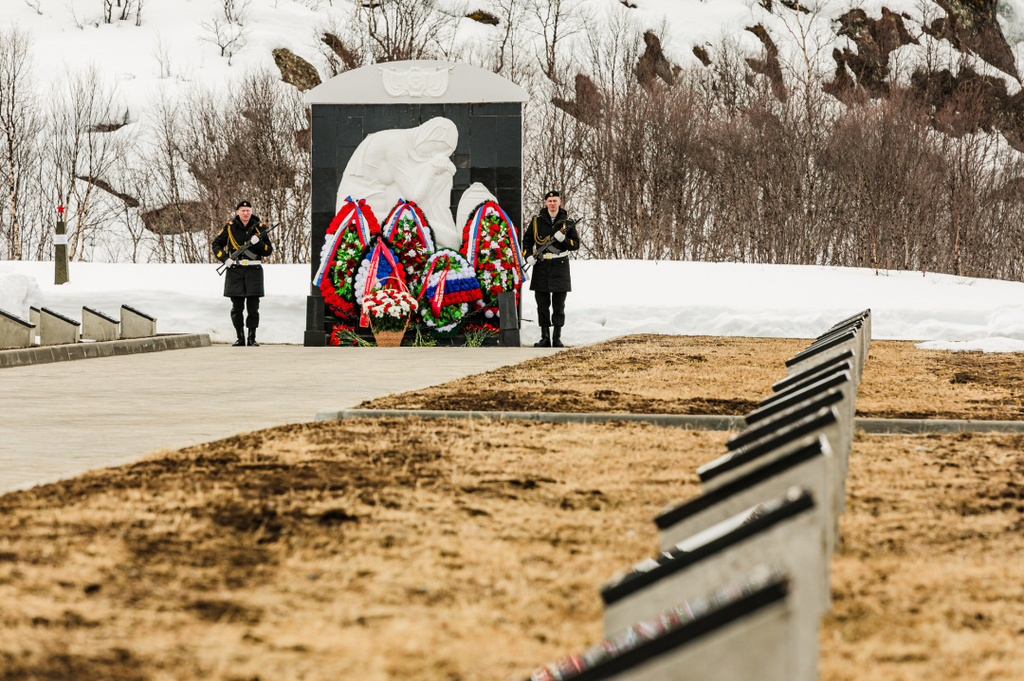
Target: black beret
[552, 193]
[243, 204]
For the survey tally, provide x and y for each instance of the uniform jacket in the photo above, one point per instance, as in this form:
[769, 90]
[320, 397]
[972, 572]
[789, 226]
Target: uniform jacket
[550, 276]
[242, 280]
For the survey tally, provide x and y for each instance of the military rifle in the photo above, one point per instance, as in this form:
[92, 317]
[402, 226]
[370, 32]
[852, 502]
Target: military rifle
[550, 245]
[248, 244]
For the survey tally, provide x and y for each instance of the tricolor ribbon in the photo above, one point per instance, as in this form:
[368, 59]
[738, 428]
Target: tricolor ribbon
[327, 257]
[513, 238]
[421, 230]
[426, 278]
[364, 226]
[362, 231]
[435, 302]
[372, 280]
[474, 236]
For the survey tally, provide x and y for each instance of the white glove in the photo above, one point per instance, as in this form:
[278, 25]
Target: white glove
[229, 262]
[255, 239]
[530, 260]
[559, 237]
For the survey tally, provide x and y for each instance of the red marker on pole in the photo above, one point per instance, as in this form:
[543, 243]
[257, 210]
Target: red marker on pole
[60, 250]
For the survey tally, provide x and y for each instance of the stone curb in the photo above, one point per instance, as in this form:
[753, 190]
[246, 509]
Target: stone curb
[911, 426]
[63, 353]
[686, 421]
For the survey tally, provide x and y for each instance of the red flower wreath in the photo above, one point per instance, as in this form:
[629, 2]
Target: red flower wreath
[495, 249]
[336, 285]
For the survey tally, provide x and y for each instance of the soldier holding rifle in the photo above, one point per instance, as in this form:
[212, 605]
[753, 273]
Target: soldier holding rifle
[546, 245]
[241, 246]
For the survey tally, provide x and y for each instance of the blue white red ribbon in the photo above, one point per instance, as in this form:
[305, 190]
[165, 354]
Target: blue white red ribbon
[473, 238]
[330, 248]
[373, 280]
[396, 215]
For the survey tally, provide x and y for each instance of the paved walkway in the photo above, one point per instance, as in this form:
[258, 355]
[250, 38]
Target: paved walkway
[59, 420]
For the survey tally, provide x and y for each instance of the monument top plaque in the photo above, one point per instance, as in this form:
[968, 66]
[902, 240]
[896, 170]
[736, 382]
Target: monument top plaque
[419, 81]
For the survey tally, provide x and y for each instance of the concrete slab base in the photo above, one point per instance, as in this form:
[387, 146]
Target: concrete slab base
[62, 353]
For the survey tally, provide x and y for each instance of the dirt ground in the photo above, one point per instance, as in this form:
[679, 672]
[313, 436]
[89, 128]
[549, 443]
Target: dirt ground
[705, 375]
[457, 550]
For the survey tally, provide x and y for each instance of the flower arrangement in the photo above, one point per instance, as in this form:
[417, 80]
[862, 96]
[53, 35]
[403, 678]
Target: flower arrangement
[491, 246]
[408, 231]
[345, 335]
[377, 265]
[448, 291]
[348, 235]
[389, 309]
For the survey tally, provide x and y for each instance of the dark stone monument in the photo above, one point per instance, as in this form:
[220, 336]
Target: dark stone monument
[485, 108]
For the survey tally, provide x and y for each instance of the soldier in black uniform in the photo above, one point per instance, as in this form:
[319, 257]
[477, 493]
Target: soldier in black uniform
[243, 281]
[551, 281]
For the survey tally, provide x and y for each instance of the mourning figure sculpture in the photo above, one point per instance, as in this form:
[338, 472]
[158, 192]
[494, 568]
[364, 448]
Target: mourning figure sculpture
[413, 164]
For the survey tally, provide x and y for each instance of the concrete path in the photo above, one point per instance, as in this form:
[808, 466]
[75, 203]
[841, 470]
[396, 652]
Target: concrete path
[59, 420]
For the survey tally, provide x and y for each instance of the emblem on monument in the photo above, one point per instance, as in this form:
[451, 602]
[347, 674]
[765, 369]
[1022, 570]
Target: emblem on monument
[415, 81]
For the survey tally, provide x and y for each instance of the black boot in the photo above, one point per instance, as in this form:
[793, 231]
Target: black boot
[240, 343]
[545, 339]
[252, 339]
[556, 338]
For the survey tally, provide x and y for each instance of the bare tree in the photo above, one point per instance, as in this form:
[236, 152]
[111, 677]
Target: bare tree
[162, 54]
[507, 60]
[123, 10]
[230, 37]
[215, 148]
[80, 154]
[556, 21]
[20, 125]
[396, 30]
[235, 11]
[338, 45]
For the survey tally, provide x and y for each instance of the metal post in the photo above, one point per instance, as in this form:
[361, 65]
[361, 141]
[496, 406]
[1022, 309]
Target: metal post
[508, 317]
[60, 250]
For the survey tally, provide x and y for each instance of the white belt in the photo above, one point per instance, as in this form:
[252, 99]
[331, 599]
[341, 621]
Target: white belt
[249, 263]
[553, 256]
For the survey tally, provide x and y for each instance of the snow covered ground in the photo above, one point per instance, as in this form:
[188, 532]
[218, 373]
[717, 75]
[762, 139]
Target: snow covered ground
[610, 298]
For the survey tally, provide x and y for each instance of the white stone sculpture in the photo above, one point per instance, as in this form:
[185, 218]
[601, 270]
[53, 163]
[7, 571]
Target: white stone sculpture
[412, 164]
[474, 195]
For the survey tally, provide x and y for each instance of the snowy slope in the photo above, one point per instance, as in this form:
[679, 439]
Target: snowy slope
[170, 50]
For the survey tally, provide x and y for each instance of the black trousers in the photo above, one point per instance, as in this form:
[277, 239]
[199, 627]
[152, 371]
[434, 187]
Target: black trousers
[252, 307]
[554, 300]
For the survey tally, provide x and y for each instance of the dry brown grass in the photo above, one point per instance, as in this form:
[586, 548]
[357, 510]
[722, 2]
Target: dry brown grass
[651, 374]
[446, 550]
[704, 375]
[930, 583]
[385, 549]
[901, 381]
